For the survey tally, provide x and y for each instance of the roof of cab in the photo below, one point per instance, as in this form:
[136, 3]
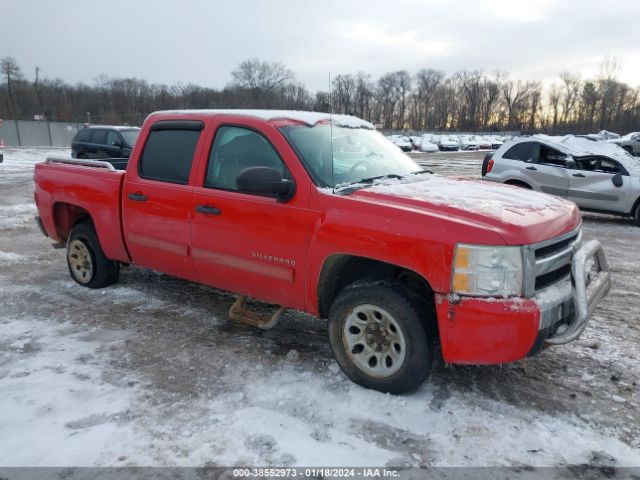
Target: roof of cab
[309, 118]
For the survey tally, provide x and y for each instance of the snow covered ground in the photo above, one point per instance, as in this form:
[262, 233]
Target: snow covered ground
[151, 372]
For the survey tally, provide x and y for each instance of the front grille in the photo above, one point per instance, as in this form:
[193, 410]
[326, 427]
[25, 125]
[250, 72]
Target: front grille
[549, 261]
[547, 279]
[556, 247]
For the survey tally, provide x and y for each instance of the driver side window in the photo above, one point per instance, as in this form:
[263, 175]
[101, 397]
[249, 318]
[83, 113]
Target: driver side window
[600, 165]
[237, 148]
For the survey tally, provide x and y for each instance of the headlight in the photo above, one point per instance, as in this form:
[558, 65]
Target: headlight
[487, 271]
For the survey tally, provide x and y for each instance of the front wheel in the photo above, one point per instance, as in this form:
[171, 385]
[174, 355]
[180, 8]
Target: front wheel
[382, 336]
[87, 263]
[636, 214]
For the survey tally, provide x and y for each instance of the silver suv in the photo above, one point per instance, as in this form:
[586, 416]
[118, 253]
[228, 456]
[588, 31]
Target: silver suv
[596, 175]
[630, 142]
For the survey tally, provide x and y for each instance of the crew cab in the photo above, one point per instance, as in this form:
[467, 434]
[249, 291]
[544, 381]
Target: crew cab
[321, 213]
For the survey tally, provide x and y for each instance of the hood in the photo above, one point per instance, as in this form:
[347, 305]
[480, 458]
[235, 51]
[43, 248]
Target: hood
[519, 216]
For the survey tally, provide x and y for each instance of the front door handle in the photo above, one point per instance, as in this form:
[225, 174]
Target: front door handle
[208, 210]
[580, 175]
[531, 168]
[137, 197]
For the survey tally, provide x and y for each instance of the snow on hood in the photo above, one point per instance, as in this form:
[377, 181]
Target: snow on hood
[536, 215]
[310, 118]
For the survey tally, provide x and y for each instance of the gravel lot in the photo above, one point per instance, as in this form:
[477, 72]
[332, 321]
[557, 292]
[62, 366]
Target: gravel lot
[151, 372]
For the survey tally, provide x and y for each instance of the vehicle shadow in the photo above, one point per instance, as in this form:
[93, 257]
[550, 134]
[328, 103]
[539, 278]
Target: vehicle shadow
[197, 333]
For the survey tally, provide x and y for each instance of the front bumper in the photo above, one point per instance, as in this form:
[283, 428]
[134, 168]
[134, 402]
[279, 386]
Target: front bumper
[492, 330]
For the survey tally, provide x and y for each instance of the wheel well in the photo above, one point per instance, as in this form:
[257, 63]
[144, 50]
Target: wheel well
[518, 183]
[66, 216]
[341, 270]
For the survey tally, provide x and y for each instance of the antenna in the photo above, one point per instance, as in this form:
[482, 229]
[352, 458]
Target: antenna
[333, 181]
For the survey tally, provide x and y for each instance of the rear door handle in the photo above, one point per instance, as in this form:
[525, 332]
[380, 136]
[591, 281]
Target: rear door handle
[208, 210]
[531, 168]
[137, 197]
[581, 175]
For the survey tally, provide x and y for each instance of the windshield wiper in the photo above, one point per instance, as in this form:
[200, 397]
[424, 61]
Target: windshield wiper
[367, 182]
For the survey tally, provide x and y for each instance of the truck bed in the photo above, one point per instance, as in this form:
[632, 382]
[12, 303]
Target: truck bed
[68, 189]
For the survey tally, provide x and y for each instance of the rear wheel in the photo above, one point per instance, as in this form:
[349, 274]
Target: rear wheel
[383, 336]
[87, 263]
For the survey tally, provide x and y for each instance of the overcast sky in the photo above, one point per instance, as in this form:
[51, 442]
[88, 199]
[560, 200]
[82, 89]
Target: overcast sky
[169, 41]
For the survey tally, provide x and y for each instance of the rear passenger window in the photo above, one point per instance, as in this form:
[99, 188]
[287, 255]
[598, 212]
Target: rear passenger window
[550, 156]
[99, 137]
[168, 153]
[83, 135]
[519, 151]
[236, 148]
[112, 138]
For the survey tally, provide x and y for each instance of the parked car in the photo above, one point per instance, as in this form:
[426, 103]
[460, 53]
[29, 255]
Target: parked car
[630, 142]
[469, 143]
[484, 143]
[104, 142]
[401, 142]
[399, 260]
[448, 144]
[496, 142]
[415, 141]
[596, 175]
[425, 145]
[603, 135]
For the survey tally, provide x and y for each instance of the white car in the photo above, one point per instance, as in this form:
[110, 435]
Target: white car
[401, 142]
[469, 143]
[598, 176]
[426, 145]
[630, 142]
[603, 135]
[496, 142]
[449, 143]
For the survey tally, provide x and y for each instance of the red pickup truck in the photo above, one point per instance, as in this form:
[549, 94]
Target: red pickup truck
[321, 213]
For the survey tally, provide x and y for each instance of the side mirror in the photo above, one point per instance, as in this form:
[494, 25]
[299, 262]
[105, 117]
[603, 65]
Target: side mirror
[265, 181]
[570, 163]
[617, 180]
[117, 143]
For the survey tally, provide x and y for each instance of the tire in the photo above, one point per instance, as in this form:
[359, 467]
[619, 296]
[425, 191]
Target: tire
[385, 321]
[636, 215]
[88, 266]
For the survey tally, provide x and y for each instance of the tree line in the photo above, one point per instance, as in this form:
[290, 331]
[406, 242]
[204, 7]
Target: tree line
[468, 100]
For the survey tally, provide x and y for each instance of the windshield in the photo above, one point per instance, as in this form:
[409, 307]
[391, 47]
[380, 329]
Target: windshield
[358, 154]
[130, 136]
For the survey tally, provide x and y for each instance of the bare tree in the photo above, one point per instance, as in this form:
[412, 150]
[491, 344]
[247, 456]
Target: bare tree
[428, 81]
[403, 85]
[571, 83]
[344, 89]
[262, 79]
[12, 73]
